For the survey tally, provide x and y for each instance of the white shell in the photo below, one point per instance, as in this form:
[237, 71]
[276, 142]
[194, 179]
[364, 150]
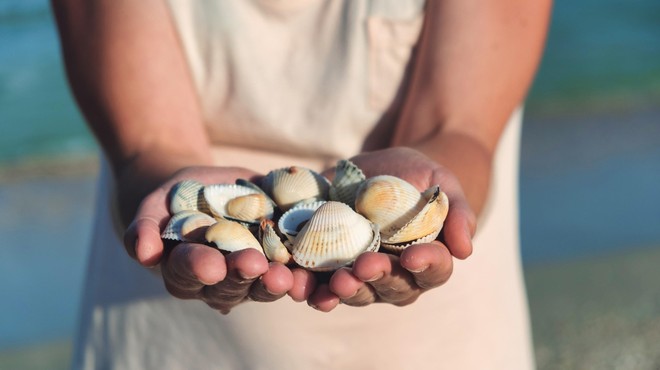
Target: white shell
[187, 195]
[290, 185]
[293, 220]
[231, 236]
[274, 249]
[187, 226]
[347, 180]
[334, 237]
[221, 196]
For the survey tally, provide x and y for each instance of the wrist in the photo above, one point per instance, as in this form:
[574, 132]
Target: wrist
[144, 172]
[464, 156]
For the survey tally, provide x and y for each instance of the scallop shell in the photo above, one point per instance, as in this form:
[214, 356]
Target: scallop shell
[290, 185]
[334, 237]
[238, 202]
[188, 195]
[187, 226]
[231, 236]
[347, 180]
[274, 249]
[403, 214]
[293, 220]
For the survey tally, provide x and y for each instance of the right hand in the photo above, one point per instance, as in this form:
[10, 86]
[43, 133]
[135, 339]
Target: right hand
[197, 271]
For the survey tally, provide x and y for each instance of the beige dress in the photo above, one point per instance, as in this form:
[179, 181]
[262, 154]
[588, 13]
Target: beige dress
[305, 82]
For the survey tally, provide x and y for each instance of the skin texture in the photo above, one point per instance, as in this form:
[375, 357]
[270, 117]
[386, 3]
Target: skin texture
[473, 66]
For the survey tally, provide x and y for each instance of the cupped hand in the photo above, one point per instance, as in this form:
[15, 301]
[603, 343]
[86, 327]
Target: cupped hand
[197, 271]
[400, 280]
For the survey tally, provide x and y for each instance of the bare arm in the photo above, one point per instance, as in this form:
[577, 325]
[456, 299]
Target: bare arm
[476, 62]
[130, 79]
[474, 65]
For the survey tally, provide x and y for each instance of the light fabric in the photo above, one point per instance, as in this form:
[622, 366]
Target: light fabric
[304, 82]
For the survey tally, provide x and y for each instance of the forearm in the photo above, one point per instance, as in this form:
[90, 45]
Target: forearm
[129, 77]
[474, 65]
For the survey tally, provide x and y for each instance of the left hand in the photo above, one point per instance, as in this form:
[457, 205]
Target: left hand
[400, 280]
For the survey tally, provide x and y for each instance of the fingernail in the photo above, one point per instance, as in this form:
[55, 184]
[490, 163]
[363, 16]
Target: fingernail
[375, 277]
[313, 306]
[420, 270]
[247, 277]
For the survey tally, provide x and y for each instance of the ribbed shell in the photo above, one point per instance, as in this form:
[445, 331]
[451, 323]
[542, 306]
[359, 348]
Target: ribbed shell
[427, 221]
[250, 207]
[290, 185]
[247, 204]
[389, 202]
[231, 236]
[334, 237]
[187, 195]
[274, 249]
[347, 180]
[188, 226]
[292, 221]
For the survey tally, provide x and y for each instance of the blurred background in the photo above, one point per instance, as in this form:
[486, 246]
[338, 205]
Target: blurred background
[590, 182]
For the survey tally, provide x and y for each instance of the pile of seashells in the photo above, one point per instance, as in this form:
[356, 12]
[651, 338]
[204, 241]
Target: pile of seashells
[297, 215]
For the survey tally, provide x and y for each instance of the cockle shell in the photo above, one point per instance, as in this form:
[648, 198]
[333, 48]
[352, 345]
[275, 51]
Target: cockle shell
[290, 185]
[238, 202]
[347, 180]
[405, 216]
[274, 249]
[188, 226]
[334, 237]
[187, 195]
[293, 220]
[231, 236]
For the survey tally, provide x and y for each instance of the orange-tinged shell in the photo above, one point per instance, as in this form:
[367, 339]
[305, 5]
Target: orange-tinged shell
[231, 236]
[274, 249]
[291, 185]
[188, 226]
[250, 207]
[404, 215]
[334, 237]
[238, 202]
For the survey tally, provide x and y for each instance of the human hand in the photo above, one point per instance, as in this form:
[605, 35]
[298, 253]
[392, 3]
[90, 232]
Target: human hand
[400, 280]
[197, 271]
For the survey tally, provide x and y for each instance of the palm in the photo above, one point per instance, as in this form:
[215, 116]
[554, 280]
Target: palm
[399, 280]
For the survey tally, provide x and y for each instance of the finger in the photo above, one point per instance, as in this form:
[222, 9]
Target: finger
[272, 285]
[189, 267]
[351, 290]
[304, 283]
[430, 264]
[243, 269]
[461, 222]
[142, 237]
[322, 299]
[391, 282]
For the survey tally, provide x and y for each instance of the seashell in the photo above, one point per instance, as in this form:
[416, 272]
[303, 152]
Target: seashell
[290, 185]
[231, 236]
[187, 195]
[238, 202]
[293, 220]
[347, 180]
[274, 249]
[403, 214]
[188, 226]
[334, 237]
[250, 207]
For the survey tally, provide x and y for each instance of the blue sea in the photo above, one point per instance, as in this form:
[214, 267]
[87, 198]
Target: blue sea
[590, 169]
